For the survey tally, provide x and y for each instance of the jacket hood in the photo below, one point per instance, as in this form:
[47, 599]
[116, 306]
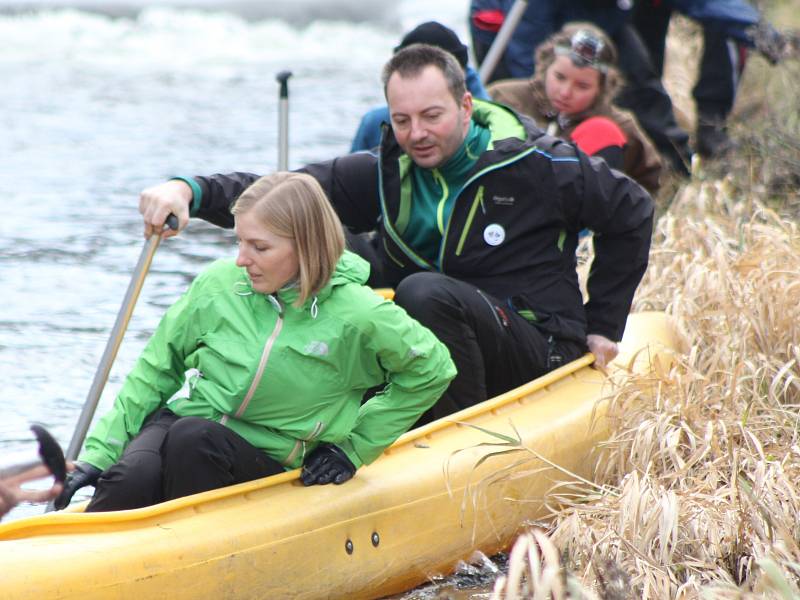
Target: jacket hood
[350, 268]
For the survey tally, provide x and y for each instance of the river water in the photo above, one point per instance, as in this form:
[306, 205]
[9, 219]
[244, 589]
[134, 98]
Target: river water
[101, 99]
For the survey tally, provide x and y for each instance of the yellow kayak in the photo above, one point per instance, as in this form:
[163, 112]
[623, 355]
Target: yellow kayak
[438, 494]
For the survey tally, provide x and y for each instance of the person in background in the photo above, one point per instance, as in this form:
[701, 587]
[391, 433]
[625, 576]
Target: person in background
[12, 492]
[730, 28]
[368, 134]
[478, 214]
[262, 366]
[571, 96]
[643, 93]
[638, 29]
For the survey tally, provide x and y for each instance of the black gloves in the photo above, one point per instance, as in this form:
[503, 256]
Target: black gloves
[325, 464]
[83, 475]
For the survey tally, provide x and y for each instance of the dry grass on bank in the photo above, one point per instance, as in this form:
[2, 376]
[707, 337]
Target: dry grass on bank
[703, 472]
[704, 468]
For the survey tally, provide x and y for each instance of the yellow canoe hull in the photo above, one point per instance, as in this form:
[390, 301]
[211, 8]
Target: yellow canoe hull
[437, 495]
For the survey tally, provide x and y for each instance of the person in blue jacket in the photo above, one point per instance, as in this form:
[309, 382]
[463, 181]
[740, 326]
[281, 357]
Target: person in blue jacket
[368, 135]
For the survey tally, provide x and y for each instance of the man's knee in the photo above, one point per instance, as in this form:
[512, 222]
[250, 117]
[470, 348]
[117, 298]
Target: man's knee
[422, 294]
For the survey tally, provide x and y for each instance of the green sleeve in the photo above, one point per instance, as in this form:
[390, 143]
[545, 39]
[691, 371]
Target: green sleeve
[156, 376]
[197, 194]
[418, 368]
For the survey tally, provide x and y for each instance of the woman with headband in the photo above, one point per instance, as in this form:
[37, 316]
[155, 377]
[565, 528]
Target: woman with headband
[571, 96]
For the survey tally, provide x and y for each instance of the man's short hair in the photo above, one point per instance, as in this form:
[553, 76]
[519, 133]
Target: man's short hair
[412, 60]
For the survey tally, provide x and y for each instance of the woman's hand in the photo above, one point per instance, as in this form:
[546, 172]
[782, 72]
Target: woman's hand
[84, 474]
[325, 464]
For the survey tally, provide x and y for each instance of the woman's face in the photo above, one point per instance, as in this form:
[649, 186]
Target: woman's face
[270, 259]
[571, 89]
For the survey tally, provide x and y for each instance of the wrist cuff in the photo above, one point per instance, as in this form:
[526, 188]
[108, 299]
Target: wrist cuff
[197, 193]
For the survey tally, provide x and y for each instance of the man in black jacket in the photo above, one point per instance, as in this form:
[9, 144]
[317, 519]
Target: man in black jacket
[478, 214]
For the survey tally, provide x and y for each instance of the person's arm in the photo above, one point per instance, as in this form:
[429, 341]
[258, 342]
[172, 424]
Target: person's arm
[350, 182]
[12, 492]
[474, 84]
[368, 134]
[600, 136]
[208, 198]
[157, 374]
[418, 368]
[620, 213]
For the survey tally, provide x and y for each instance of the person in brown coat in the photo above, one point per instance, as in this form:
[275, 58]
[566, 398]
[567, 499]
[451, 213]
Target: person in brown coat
[571, 96]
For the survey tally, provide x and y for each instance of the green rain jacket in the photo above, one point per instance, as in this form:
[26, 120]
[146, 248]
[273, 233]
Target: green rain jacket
[284, 378]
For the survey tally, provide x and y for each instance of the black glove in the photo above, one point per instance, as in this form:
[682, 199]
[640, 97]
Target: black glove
[83, 475]
[325, 464]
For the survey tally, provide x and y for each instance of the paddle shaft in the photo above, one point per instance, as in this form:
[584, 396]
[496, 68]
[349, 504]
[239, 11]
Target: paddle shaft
[283, 120]
[112, 346]
[501, 40]
[14, 470]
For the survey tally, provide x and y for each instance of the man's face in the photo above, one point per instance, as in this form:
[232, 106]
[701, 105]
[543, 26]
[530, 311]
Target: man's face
[427, 121]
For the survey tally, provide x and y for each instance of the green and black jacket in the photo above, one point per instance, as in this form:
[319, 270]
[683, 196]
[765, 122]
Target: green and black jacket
[514, 227]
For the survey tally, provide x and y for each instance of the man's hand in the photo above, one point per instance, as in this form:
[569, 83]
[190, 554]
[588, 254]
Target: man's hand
[604, 349]
[157, 202]
[12, 492]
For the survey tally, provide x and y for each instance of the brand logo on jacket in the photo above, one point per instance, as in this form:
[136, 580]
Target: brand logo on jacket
[494, 234]
[503, 200]
[316, 348]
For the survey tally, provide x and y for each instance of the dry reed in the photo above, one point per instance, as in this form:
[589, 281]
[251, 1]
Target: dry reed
[703, 472]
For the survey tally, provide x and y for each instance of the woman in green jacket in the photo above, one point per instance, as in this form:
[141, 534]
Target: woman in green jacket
[263, 364]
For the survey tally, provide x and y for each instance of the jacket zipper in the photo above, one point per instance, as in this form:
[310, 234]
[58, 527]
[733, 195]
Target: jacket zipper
[389, 226]
[261, 364]
[301, 443]
[478, 201]
[469, 182]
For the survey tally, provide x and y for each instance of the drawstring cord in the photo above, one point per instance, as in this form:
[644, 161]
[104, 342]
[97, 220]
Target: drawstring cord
[314, 308]
[239, 284]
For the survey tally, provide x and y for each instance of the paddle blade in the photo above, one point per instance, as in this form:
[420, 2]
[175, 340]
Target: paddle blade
[51, 453]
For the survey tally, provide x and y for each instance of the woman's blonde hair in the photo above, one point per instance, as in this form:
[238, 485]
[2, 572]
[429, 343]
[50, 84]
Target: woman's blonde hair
[610, 77]
[293, 205]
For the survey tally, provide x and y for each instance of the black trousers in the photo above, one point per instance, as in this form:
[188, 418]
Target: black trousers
[644, 94]
[493, 348]
[177, 456]
[721, 63]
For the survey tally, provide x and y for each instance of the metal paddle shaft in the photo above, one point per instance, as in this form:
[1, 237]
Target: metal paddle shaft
[501, 40]
[283, 120]
[114, 341]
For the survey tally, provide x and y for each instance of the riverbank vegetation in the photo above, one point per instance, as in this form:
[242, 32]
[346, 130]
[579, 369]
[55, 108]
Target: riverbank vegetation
[698, 491]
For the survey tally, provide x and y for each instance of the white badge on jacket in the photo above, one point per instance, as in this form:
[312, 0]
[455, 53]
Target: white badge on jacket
[494, 234]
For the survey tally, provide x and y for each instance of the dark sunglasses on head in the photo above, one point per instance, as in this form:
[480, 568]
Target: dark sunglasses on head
[584, 50]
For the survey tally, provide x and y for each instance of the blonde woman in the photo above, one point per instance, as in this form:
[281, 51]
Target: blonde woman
[263, 364]
[571, 96]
